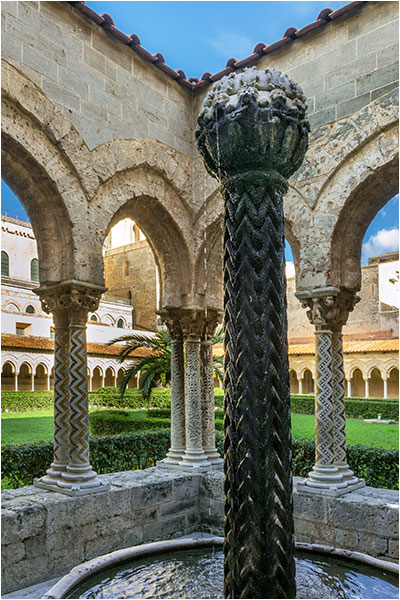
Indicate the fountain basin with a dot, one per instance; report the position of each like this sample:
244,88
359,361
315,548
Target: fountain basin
194,567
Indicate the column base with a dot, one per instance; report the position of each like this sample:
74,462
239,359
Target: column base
74,481
348,475
329,480
74,489
195,460
173,458
214,457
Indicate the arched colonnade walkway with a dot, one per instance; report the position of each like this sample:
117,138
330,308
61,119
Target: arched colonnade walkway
74,190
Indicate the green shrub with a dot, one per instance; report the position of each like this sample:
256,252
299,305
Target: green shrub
357,408
20,464
23,401
111,422
110,397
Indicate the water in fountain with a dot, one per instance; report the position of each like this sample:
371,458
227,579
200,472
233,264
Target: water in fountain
199,574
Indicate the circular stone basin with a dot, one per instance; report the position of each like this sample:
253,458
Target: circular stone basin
197,572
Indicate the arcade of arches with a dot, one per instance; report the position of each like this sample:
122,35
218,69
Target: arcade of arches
78,174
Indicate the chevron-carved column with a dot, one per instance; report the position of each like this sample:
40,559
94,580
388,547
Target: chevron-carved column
211,320
252,135
74,300
328,310
50,304
178,438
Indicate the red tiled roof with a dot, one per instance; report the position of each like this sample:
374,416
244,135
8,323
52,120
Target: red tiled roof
357,346
193,83
41,343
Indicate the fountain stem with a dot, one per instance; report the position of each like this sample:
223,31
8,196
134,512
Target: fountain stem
252,136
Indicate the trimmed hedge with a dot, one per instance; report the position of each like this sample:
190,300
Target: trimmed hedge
357,408
112,422
21,463
160,399
23,401
111,398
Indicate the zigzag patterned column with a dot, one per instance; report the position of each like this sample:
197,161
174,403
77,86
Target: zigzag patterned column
76,300
252,136
207,390
328,311
178,443
50,304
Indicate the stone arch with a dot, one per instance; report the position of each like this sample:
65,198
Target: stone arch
8,376
40,377
107,319
25,376
294,382
308,381
12,307
97,376
109,376
144,196
26,153
47,165
393,382
375,383
357,383
362,185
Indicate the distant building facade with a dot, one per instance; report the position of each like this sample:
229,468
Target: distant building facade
27,331
131,274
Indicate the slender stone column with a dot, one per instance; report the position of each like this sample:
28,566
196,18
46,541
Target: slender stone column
301,385
75,299
50,300
15,381
349,388
328,312
252,136
32,382
385,388
194,457
177,449
207,390
366,387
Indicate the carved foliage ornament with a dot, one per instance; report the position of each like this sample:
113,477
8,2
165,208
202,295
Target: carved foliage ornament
330,312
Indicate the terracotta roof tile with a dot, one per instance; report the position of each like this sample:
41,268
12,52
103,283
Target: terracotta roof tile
41,343
193,83
352,347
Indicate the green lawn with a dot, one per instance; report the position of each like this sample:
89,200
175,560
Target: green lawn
36,426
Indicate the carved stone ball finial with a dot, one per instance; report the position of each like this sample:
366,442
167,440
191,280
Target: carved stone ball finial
253,120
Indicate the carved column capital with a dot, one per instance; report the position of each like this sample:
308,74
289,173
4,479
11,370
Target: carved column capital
76,297
171,318
193,323
328,308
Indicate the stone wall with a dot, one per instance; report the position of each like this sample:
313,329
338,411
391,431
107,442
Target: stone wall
133,268
106,90
365,520
45,534
365,321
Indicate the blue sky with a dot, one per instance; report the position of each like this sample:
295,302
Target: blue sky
200,36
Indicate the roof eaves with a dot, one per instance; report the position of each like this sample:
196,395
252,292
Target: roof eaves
193,83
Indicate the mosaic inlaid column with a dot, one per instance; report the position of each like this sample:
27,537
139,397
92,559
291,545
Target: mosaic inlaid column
207,390
177,449
252,136
75,300
51,304
328,312
194,456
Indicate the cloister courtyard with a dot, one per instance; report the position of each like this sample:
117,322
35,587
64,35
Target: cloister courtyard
158,207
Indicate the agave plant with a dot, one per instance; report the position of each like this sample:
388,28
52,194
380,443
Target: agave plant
155,367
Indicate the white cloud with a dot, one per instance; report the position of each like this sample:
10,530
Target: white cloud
289,269
231,44
385,240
